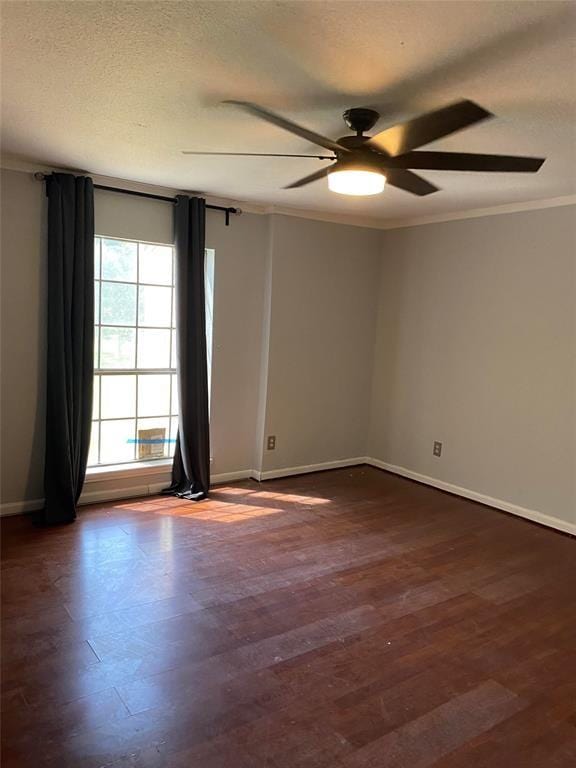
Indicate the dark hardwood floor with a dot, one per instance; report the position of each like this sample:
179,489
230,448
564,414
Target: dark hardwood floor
344,619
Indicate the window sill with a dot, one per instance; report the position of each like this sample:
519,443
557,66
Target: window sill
115,471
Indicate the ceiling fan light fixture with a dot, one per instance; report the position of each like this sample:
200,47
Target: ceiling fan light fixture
357,182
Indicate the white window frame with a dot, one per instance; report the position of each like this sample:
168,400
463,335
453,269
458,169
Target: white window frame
137,465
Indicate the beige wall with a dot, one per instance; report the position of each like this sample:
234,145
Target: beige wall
322,324
476,348
22,327
239,283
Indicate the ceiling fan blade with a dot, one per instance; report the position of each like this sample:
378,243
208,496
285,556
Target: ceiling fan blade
464,161
409,182
312,177
288,125
257,154
403,137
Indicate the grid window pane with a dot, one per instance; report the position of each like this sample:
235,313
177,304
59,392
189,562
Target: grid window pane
118,347
174,410
118,304
93,450
135,389
153,439
117,441
153,348
96,398
154,306
119,260
97,302
173,433
154,395
155,264
118,399
96,258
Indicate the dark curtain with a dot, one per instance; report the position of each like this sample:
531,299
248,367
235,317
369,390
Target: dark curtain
191,467
70,329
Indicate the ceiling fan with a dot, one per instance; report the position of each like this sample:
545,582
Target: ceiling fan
363,164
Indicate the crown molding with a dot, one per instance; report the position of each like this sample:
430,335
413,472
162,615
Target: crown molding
369,222
476,213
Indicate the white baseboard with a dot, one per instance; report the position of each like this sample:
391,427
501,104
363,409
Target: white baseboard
108,494
229,477
10,508
490,501
150,489
307,468
91,496
88,497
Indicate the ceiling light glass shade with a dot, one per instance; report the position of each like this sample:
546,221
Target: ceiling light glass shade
356,182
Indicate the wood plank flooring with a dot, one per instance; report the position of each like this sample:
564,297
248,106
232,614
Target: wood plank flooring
339,620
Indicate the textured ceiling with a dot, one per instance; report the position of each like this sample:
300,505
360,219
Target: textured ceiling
119,88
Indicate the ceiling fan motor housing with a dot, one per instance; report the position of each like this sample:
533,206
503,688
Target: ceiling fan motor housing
361,119
361,160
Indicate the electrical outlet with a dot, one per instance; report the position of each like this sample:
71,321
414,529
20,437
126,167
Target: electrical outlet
437,450
271,442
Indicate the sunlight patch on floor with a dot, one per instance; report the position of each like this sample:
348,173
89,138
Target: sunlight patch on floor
291,497
232,515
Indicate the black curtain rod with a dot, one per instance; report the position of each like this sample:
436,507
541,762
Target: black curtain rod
227,210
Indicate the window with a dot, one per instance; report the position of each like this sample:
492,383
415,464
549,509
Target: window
135,415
